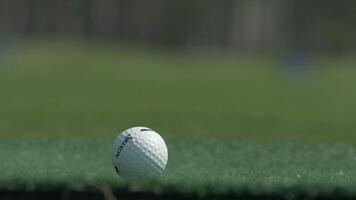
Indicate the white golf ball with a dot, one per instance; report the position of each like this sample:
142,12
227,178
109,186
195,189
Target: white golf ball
139,153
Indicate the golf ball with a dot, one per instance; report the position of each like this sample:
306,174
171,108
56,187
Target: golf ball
139,153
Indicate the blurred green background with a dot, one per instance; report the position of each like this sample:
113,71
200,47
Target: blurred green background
220,69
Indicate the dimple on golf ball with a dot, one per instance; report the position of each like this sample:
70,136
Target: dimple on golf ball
139,153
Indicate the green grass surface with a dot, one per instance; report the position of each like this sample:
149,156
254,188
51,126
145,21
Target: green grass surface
78,89
195,166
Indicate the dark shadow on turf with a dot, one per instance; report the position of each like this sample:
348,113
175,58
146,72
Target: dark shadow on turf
60,194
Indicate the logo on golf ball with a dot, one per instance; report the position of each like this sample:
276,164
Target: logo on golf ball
126,140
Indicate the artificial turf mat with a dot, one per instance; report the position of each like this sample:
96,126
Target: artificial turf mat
195,167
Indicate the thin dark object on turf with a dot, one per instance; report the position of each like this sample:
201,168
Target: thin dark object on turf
107,192
65,195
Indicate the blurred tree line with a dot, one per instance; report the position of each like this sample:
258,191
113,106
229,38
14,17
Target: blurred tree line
245,25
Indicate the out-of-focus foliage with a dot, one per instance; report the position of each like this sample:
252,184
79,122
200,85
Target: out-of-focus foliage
246,25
